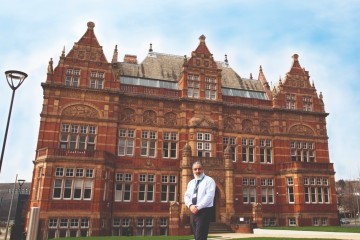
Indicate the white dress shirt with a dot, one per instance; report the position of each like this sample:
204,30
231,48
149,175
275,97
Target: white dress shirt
205,194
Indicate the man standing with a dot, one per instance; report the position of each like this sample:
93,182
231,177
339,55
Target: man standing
199,198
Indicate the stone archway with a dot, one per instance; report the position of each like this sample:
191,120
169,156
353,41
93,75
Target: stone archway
217,207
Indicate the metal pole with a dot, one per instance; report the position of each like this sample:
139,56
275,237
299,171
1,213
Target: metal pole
7,128
12,198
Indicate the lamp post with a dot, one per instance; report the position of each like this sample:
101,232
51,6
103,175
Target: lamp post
21,183
12,198
14,79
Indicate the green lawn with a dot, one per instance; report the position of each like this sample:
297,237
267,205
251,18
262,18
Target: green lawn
349,228
182,238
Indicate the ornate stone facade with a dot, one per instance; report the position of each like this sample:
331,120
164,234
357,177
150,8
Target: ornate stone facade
117,140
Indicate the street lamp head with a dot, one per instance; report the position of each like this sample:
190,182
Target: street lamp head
21,182
15,78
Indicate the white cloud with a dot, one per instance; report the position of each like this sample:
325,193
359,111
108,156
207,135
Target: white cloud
251,33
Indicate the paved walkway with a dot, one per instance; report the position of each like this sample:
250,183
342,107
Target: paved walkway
289,234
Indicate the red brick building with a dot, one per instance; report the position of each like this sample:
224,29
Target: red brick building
117,140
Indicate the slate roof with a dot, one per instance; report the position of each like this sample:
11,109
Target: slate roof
168,67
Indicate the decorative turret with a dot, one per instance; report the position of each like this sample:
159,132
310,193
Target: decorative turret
187,150
264,82
197,70
50,69
227,157
115,55
226,61
150,49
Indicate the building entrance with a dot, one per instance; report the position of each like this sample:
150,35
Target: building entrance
215,217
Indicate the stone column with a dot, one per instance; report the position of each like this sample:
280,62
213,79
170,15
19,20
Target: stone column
229,184
186,174
257,214
174,223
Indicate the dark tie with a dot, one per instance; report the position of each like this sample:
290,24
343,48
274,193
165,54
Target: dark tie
194,199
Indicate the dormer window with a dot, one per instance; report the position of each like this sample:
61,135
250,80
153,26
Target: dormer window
290,101
210,88
97,80
72,77
307,103
193,86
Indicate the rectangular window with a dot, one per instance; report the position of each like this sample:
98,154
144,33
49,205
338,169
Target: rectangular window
168,188
170,145
80,137
326,195
146,188
97,80
210,88
265,151
68,227
193,86
247,150
126,142
302,152
292,222
290,101
307,103
290,190
123,187
307,194
148,143
72,77
203,144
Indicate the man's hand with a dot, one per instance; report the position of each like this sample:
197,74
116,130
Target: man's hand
194,209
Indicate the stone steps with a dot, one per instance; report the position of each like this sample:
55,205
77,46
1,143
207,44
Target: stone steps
219,228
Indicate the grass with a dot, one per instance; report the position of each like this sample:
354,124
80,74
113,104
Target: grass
183,238
349,229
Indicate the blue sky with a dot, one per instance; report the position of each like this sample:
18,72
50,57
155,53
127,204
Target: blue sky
325,34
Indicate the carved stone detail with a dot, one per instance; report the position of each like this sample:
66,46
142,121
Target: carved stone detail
170,119
247,125
229,124
81,111
149,117
148,163
301,130
265,127
128,116
201,122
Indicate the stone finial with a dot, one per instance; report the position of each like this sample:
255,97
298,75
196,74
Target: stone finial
63,52
226,61
187,150
150,49
90,25
227,151
251,77
295,57
260,69
313,84
50,69
280,82
202,38
321,96
185,59
115,55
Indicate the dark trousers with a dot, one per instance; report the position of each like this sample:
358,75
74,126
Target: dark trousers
200,223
